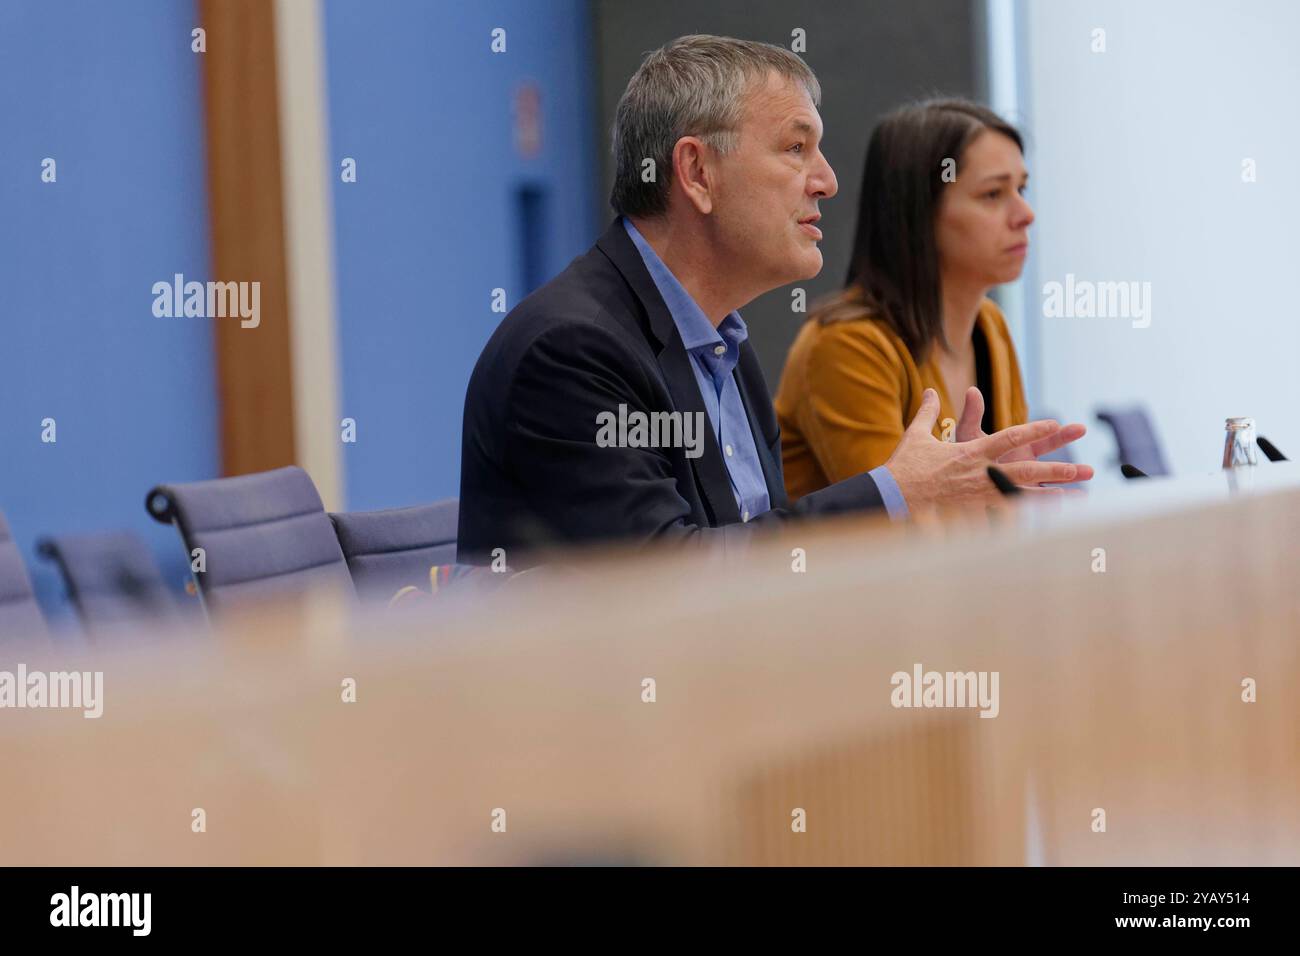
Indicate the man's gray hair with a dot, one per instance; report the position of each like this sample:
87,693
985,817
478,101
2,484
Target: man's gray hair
694,86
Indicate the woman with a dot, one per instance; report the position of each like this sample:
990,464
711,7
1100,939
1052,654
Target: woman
941,220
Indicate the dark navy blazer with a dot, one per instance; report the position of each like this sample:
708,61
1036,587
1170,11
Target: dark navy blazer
595,337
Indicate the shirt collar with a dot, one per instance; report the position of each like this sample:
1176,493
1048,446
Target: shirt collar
697,332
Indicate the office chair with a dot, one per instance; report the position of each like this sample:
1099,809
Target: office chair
261,535
20,615
395,548
1136,439
112,578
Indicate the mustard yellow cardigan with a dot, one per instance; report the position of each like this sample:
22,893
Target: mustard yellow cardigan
850,387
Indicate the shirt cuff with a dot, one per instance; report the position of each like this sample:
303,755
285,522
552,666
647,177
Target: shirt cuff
894,501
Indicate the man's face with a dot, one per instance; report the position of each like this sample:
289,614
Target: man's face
768,187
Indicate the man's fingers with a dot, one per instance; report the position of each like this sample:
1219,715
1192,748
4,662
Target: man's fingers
1017,436
968,429
927,414
1043,472
1067,434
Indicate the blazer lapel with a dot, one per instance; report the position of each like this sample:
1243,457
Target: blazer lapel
675,363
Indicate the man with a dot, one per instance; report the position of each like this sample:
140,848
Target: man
717,185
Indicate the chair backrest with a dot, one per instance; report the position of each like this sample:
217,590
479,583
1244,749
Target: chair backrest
20,615
112,578
262,535
391,549
1136,438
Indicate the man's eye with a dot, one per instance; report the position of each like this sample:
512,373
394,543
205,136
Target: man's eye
993,194
797,147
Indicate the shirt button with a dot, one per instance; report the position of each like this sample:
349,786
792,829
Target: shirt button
730,451
745,516
720,350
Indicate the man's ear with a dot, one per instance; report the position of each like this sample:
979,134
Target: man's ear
693,171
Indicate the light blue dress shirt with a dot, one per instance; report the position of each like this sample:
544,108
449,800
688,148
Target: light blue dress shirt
714,353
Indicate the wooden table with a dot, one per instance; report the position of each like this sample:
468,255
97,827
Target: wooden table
1119,691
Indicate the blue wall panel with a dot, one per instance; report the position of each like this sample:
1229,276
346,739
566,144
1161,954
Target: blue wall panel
441,210
112,93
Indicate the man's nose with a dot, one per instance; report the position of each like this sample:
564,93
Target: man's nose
822,183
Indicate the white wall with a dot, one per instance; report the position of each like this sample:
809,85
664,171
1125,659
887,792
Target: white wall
1135,163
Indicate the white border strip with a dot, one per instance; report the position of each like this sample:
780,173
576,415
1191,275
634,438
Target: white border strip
1004,57
309,241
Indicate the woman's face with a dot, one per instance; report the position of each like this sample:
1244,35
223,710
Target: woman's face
982,228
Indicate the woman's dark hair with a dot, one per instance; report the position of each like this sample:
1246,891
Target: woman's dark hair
895,264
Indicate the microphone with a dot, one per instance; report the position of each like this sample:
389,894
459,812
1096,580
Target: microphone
1130,472
1269,449
1004,484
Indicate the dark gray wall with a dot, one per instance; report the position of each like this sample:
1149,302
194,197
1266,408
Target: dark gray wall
870,56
